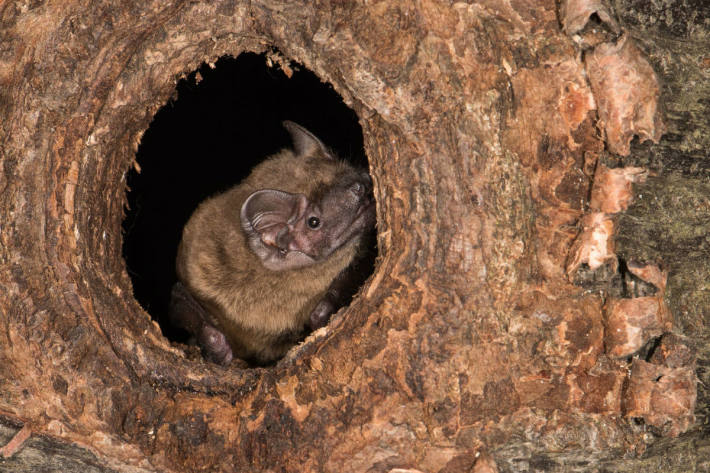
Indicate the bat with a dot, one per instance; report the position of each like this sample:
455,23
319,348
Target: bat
274,256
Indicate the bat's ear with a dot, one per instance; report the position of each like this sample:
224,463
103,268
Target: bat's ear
268,218
306,143
269,213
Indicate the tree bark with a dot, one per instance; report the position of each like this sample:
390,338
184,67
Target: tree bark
484,339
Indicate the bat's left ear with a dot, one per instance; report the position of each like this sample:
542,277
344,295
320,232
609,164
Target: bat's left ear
306,143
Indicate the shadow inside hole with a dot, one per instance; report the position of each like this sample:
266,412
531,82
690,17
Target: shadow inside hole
224,121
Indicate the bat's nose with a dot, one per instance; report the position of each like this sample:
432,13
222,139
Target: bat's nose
363,185
367,179
358,189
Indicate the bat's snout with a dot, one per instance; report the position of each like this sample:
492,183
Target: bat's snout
362,187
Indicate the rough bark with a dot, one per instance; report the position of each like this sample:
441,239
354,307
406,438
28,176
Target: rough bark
468,342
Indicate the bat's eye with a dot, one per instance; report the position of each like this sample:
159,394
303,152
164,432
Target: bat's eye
314,222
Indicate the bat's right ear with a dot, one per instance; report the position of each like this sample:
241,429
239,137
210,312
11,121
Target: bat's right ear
306,143
267,217
267,214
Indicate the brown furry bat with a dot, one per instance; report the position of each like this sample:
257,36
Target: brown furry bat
272,255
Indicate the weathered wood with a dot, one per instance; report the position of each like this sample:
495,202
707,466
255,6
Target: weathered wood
467,342
41,453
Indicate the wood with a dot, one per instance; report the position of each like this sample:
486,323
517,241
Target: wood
469,349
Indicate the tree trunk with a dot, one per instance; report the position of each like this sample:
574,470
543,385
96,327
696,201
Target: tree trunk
496,332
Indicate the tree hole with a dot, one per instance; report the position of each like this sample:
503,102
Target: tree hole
221,122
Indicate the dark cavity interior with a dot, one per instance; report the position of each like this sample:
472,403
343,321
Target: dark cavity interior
220,123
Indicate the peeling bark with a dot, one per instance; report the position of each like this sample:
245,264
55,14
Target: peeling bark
627,92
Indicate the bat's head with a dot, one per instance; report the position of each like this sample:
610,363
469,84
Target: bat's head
288,230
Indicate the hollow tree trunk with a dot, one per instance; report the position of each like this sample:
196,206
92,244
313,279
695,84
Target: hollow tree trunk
484,339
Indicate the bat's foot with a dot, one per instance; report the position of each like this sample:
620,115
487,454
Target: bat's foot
321,314
215,345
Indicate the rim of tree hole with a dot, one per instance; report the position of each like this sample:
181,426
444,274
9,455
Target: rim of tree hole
133,96
335,122
223,120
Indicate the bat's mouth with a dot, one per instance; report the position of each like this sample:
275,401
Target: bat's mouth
363,219
366,207
364,213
